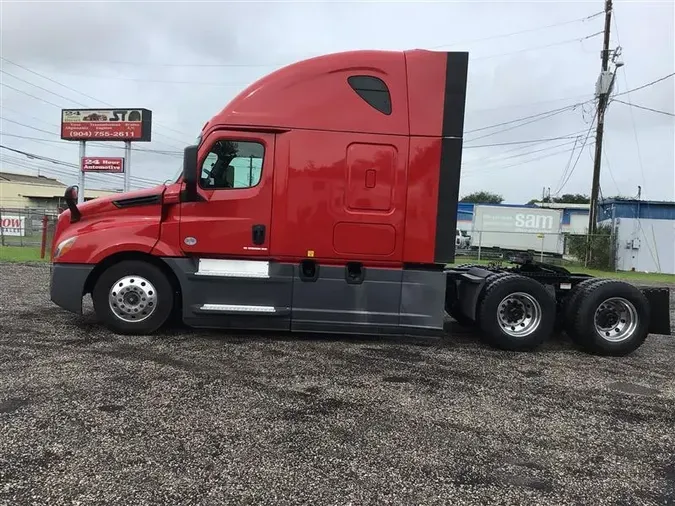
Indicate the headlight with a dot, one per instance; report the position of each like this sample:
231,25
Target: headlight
64,246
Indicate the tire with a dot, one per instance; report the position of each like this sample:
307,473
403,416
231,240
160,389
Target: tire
514,297
603,303
146,298
570,307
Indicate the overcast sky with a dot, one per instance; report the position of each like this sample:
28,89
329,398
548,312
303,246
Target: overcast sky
186,61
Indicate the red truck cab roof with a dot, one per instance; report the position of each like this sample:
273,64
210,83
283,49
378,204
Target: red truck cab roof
311,94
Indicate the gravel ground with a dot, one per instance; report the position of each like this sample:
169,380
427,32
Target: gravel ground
190,417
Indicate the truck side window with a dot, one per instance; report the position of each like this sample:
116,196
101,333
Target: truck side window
232,164
373,90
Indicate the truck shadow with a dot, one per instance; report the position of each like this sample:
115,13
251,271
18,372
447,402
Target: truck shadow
454,336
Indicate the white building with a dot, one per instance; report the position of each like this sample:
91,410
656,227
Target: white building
645,234
575,216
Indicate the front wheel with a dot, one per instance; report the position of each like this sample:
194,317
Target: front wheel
133,297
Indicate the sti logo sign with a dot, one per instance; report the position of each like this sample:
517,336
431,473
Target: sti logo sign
106,124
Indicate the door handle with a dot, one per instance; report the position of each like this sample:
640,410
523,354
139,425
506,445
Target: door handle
258,232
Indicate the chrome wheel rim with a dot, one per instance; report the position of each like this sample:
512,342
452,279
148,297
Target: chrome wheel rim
519,314
616,319
132,299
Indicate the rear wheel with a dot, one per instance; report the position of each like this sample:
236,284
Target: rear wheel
133,297
612,318
516,313
570,307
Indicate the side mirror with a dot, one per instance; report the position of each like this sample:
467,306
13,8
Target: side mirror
190,173
71,193
71,201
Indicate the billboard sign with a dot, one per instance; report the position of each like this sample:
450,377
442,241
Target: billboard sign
13,225
106,125
113,164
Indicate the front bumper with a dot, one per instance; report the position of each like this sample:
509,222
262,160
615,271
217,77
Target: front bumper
66,285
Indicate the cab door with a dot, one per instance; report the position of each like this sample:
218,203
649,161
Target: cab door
227,278
236,181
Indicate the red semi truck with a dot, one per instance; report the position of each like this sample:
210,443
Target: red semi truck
323,198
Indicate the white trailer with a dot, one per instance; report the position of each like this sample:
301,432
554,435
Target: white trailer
518,229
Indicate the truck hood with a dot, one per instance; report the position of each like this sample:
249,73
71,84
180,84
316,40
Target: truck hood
112,223
121,200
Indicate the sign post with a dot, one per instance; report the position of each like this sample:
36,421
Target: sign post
127,171
80,179
126,125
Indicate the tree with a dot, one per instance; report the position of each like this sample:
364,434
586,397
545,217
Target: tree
566,198
483,197
619,197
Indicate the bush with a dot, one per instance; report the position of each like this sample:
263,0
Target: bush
596,251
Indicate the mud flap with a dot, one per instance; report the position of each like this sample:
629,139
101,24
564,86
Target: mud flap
659,306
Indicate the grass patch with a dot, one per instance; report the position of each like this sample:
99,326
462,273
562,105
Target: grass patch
22,254
580,269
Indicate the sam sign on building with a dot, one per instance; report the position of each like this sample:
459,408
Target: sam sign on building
114,165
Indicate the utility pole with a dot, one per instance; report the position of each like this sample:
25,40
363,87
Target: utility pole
603,89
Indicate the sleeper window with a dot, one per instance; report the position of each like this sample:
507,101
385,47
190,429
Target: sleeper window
373,90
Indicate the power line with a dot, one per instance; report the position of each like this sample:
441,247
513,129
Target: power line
27,126
643,107
66,164
530,141
519,164
32,157
540,117
29,95
609,169
43,89
49,171
87,96
536,102
97,144
652,83
158,81
569,162
91,177
61,107
497,158
581,150
560,109
166,64
528,30
632,116
527,49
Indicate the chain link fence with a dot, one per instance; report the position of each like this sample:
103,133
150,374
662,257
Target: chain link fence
28,227
596,251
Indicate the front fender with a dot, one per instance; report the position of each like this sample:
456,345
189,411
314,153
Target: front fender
99,240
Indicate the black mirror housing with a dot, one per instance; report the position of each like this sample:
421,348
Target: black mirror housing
70,195
190,173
